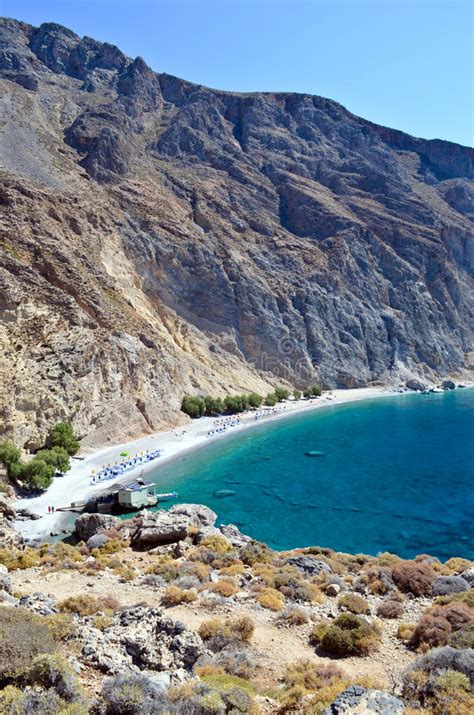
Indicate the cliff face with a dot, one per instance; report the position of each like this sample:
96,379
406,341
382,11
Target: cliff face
158,237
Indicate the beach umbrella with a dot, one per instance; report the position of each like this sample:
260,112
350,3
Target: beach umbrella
124,454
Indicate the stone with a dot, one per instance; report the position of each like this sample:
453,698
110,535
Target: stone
234,536
88,525
448,385
141,638
167,527
415,385
5,583
6,510
97,541
356,700
3,569
333,589
309,564
39,603
468,575
444,585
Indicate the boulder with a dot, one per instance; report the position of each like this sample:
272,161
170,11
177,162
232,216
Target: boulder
468,575
415,385
333,589
88,525
234,536
39,603
444,585
6,511
10,538
356,699
448,385
309,564
141,638
97,541
168,527
5,583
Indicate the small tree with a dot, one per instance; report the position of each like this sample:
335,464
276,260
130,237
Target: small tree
316,390
307,392
271,399
10,457
213,406
193,406
255,400
57,457
297,394
62,435
37,474
233,404
281,394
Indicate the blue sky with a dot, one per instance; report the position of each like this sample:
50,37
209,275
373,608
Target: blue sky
403,63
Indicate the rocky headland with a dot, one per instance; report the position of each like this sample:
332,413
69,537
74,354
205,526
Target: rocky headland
160,238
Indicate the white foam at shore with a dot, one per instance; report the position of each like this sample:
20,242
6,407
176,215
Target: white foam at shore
75,485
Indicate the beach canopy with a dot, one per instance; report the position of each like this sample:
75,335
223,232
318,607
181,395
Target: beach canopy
124,454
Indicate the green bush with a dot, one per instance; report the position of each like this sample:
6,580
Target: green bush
297,394
312,391
57,457
233,404
62,435
347,635
271,399
52,671
213,406
9,456
36,474
281,394
255,400
22,637
132,694
354,603
193,406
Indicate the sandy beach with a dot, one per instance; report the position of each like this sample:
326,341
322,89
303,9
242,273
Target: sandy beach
76,486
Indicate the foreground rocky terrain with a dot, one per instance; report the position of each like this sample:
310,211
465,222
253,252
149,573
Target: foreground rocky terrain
160,238
167,613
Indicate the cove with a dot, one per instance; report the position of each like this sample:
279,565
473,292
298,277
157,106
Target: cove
392,474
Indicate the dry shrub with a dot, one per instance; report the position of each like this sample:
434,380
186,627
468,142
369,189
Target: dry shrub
102,622
14,559
224,588
60,625
271,599
431,631
456,565
405,632
294,616
88,605
174,596
23,636
207,670
347,635
354,604
165,567
243,627
390,609
217,544
194,568
414,577
459,615
233,570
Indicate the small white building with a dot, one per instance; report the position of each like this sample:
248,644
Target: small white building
137,495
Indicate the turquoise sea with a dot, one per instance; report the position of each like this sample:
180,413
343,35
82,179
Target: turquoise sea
396,475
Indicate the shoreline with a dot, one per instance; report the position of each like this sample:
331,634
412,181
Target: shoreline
75,485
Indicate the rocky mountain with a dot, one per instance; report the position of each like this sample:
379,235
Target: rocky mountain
159,237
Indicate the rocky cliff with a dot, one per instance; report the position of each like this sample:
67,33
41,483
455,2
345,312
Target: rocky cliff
158,237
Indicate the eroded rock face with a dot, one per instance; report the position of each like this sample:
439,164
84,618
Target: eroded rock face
309,564
165,238
141,638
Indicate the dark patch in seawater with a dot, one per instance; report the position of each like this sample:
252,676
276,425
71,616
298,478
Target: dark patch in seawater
223,493
314,453
266,458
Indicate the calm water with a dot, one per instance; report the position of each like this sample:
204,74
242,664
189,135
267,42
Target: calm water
396,475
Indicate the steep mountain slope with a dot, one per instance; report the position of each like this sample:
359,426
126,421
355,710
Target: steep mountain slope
159,237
